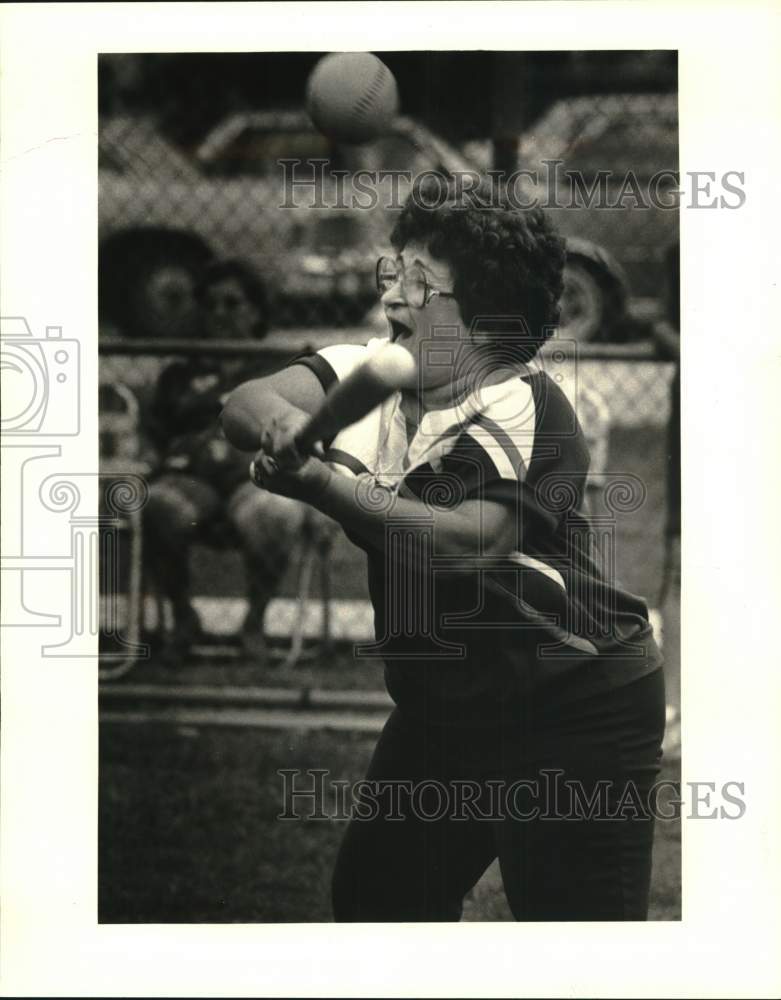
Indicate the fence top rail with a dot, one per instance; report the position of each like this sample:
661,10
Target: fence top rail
286,347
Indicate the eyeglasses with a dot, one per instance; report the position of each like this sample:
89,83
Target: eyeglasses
414,286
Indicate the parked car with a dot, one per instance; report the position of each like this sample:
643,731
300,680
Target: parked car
595,300
162,210
165,211
622,134
614,282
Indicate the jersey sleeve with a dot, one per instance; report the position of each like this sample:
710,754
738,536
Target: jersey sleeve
317,364
334,363
353,450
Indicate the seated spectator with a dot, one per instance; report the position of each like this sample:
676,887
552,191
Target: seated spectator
202,483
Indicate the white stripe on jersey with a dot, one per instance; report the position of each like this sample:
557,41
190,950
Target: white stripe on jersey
495,452
512,408
541,567
509,405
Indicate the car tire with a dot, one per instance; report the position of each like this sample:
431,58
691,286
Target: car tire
594,300
148,280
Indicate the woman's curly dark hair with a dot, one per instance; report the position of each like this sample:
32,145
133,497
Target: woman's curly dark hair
507,261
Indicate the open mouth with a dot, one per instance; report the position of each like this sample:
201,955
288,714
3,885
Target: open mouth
398,330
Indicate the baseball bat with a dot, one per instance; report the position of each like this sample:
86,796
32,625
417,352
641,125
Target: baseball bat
391,368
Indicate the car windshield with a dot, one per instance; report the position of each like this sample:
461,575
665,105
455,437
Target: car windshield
257,153
397,152
624,132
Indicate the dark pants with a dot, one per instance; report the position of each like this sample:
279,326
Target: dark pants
418,858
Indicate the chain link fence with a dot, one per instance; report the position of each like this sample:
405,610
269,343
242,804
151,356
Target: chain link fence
168,206
622,397
604,166
171,201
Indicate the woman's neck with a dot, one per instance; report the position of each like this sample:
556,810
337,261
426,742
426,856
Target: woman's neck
442,397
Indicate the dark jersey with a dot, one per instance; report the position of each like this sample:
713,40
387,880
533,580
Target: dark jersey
464,638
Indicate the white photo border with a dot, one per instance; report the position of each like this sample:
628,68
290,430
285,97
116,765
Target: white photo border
726,942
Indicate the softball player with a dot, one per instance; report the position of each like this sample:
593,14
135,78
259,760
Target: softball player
516,662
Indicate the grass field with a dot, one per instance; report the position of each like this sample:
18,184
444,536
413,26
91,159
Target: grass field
189,834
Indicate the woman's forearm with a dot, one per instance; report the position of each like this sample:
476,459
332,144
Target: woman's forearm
248,411
365,509
258,418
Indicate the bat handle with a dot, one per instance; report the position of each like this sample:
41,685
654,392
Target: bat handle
306,439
